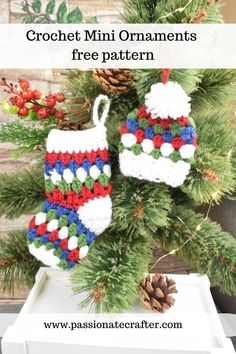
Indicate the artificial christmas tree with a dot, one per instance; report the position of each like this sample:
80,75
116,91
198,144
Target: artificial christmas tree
144,213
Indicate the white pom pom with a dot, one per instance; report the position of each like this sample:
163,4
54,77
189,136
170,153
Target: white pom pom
168,100
68,175
187,151
128,140
147,145
83,252
52,225
73,243
40,218
63,233
166,149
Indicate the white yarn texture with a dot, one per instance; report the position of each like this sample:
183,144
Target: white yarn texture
146,167
167,100
77,141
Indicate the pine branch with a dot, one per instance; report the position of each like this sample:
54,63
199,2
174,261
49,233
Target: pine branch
201,187
21,192
215,91
171,11
111,273
213,173
139,204
212,251
25,137
17,266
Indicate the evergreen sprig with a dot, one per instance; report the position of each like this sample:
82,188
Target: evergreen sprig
212,251
215,90
110,276
139,204
203,189
17,266
21,192
25,137
171,11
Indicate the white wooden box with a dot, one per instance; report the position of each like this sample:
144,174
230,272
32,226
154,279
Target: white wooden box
51,299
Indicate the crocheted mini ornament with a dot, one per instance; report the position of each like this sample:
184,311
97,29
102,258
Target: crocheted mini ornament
78,206
158,140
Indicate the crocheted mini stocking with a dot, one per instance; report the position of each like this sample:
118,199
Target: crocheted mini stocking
78,205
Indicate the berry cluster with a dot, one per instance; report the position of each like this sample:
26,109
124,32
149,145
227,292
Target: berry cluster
27,100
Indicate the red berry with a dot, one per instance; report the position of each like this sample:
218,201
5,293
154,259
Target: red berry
60,114
23,111
60,97
52,111
42,113
13,100
19,101
37,94
27,95
24,84
35,107
50,101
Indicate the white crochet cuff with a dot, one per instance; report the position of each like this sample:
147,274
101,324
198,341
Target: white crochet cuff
146,167
77,141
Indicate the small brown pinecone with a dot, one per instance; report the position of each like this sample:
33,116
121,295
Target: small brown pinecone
67,125
114,80
156,290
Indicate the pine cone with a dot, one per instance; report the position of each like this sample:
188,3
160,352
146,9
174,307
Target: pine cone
114,80
156,292
67,125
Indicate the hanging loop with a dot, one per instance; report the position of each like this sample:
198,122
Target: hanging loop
97,102
165,75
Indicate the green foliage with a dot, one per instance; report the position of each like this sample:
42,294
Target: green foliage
212,251
113,270
36,5
21,192
50,7
139,204
216,139
171,11
33,13
17,266
62,13
75,16
25,137
204,190
215,90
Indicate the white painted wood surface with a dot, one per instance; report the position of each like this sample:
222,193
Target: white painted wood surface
52,294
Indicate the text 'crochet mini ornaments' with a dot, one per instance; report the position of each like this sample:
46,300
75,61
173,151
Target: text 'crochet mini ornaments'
78,205
158,140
